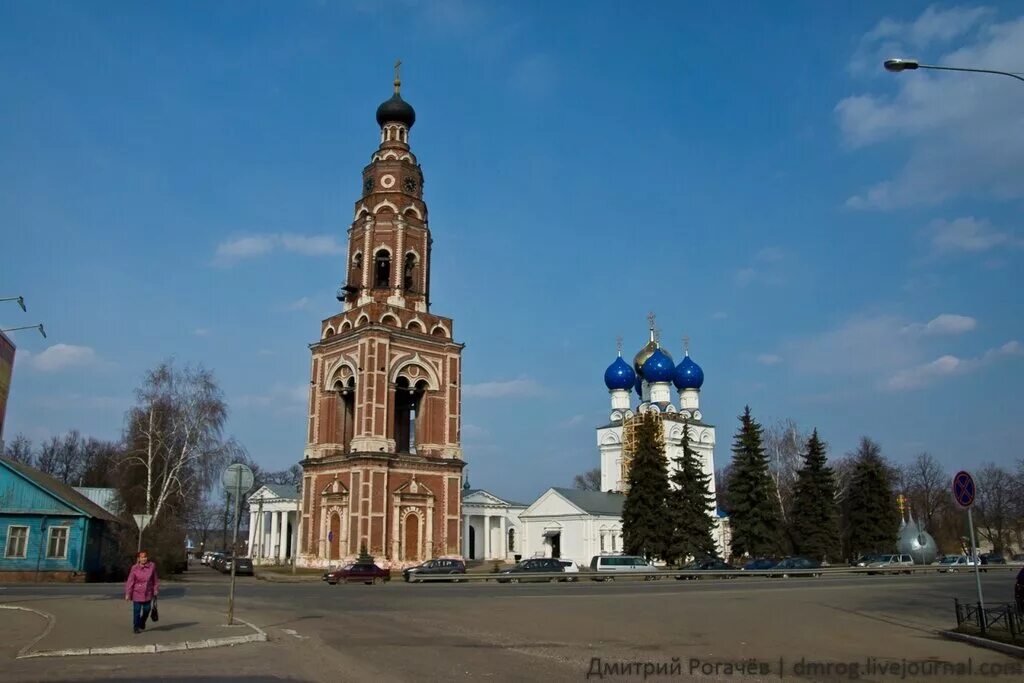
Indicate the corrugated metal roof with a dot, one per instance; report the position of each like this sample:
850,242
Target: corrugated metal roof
59,489
105,498
594,502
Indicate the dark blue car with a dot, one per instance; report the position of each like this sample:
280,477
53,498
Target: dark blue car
760,564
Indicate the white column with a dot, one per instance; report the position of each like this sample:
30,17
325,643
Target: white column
264,534
487,537
252,531
465,536
503,541
275,534
282,532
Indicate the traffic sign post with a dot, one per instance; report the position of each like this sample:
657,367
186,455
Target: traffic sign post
237,479
141,521
964,491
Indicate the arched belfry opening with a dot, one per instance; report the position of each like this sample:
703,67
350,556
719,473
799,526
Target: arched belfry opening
345,423
409,272
408,413
382,269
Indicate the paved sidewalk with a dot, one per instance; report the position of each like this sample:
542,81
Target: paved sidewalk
94,625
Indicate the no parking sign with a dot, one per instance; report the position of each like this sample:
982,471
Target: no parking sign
964,489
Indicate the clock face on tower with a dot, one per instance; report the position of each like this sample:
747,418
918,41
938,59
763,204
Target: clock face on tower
409,184
368,185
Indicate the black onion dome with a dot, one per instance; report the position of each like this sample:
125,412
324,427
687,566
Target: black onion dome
396,110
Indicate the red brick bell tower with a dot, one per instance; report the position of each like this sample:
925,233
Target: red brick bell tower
383,463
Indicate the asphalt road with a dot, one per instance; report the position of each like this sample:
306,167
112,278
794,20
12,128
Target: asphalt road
404,632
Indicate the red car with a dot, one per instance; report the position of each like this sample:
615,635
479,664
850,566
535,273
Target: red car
367,573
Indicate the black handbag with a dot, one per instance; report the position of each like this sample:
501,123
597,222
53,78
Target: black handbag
154,613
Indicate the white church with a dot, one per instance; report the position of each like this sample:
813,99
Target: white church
576,525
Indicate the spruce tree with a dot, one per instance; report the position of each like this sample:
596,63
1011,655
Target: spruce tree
644,519
689,504
872,523
815,521
754,511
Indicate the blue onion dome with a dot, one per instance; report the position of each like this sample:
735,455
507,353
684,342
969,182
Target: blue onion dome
659,367
688,374
619,375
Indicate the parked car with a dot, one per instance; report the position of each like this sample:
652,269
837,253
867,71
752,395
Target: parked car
1018,591
218,560
956,563
620,564
865,560
796,563
991,558
703,565
520,572
243,565
896,563
357,572
441,565
1019,557
570,567
760,564
210,557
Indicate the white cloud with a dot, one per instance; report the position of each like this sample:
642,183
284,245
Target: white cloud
770,254
513,387
62,357
201,332
950,323
959,128
946,366
719,315
744,276
281,399
768,359
968,234
861,345
240,248
472,432
300,304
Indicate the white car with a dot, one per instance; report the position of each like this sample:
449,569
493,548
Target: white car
956,563
570,567
620,564
891,562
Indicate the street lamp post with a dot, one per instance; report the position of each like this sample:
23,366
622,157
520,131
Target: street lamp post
19,299
897,65
27,327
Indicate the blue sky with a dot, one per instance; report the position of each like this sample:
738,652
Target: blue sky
843,245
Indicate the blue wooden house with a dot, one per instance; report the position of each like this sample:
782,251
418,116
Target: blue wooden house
49,531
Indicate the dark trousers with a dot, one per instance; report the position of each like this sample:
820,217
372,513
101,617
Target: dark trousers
140,612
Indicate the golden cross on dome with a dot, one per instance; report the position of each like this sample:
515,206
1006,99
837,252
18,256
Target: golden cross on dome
686,345
398,77
657,337
650,320
618,344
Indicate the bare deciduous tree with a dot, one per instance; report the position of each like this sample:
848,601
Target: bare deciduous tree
783,442
926,484
588,481
20,449
994,505
176,434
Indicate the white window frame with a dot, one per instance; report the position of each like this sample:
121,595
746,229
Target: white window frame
7,545
49,541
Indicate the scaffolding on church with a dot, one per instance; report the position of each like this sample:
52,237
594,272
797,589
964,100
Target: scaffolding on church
630,427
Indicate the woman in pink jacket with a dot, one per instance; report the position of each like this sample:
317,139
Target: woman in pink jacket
141,587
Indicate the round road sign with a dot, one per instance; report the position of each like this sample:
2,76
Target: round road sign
237,477
963,489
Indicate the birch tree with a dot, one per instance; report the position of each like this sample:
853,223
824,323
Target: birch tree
175,436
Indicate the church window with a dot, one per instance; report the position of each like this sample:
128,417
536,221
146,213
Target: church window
511,540
408,411
382,275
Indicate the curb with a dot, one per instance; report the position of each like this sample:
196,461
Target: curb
276,578
1005,648
260,636
51,621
